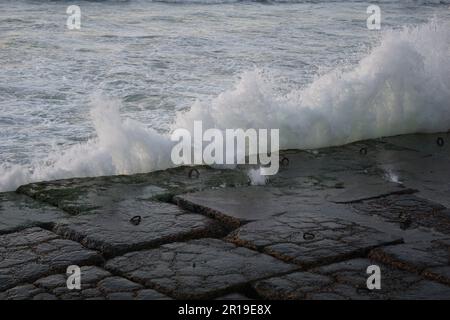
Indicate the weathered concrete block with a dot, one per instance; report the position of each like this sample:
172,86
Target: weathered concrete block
347,280
429,259
83,195
309,239
235,206
34,252
409,211
18,212
205,268
111,231
423,143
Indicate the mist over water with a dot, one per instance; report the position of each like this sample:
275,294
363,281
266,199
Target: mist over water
322,79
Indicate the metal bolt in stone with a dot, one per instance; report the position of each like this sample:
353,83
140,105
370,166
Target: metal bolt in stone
440,142
363,151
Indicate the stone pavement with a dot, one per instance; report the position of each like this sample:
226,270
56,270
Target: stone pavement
309,233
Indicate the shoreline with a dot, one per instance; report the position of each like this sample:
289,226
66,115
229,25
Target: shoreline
309,233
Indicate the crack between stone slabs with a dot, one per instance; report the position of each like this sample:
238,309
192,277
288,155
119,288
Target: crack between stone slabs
46,202
43,225
214,232
400,192
426,273
220,231
357,253
230,222
243,287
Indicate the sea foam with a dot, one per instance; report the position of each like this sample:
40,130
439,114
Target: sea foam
402,86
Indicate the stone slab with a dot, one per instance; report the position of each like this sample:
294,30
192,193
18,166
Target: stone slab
429,176
197,269
429,259
328,166
347,280
19,212
110,230
235,206
408,211
96,284
424,143
33,253
309,240
362,187
81,195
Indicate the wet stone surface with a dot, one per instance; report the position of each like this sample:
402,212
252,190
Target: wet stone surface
33,253
19,212
428,173
424,143
309,240
96,284
206,268
347,280
235,206
87,194
409,211
309,233
428,259
113,230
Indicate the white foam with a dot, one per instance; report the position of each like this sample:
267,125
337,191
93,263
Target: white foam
256,178
121,147
402,86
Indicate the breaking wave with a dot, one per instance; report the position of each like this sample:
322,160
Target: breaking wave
402,86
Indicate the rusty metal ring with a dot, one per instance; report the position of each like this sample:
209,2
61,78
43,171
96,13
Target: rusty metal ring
136,220
440,142
197,173
284,161
308,236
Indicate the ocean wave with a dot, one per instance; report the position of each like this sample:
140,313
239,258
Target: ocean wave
402,86
293,1
272,1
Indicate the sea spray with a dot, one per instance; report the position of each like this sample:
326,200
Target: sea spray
402,86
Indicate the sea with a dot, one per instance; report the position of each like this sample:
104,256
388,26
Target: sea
103,99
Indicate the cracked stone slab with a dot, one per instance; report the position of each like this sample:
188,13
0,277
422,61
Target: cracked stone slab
33,253
310,239
110,231
96,284
19,212
425,143
369,188
326,167
429,259
429,176
348,280
235,206
409,211
81,195
430,173
197,269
